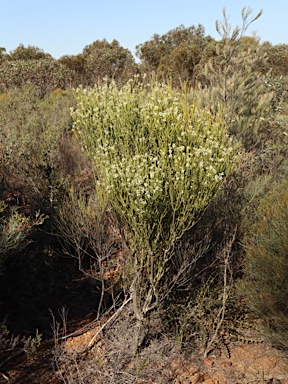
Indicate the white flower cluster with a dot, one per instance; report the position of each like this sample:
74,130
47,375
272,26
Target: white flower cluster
138,178
154,147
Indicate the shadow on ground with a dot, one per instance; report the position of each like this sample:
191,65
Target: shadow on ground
33,285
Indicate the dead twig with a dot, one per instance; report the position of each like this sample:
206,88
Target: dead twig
113,317
221,313
5,376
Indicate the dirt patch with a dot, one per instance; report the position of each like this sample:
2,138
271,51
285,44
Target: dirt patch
246,363
249,363
28,296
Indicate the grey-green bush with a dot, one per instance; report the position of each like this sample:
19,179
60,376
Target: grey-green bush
266,266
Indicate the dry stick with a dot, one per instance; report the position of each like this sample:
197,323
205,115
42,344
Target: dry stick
221,312
91,343
133,376
86,327
5,377
225,296
100,264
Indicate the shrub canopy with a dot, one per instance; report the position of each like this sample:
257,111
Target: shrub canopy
159,156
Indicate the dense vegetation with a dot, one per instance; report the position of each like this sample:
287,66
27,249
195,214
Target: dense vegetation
165,180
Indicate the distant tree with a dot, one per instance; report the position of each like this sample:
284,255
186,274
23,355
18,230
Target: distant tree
104,59
76,64
31,65
249,41
277,58
28,53
174,54
3,54
46,74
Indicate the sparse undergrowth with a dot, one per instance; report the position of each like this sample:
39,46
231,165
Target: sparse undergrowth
266,266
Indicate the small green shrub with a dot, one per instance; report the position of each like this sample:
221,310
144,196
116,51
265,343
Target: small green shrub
11,345
266,266
8,342
33,133
14,231
31,344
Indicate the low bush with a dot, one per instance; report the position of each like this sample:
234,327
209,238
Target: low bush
34,136
15,230
88,231
266,266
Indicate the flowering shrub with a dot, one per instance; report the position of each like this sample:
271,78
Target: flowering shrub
155,150
161,159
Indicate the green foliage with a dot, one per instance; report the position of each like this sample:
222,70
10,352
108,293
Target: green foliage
15,344
76,64
160,158
14,231
174,54
31,344
103,59
276,62
3,55
233,84
266,266
156,150
100,60
45,73
236,79
28,53
33,136
8,342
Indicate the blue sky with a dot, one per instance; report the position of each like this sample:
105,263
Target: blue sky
63,27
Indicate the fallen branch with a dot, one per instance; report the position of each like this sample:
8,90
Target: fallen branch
5,377
113,317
